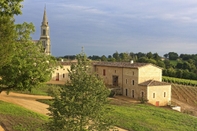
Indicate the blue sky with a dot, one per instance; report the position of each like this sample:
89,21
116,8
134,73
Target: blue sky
103,27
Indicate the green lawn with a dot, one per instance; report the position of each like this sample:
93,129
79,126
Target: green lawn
174,62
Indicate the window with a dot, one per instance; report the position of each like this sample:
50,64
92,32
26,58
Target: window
126,91
104,72
164,94
63,76
132,94
126,81
133,82
44,45
153,95
44,32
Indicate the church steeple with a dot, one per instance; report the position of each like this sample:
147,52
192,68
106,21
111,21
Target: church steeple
45,21
44,37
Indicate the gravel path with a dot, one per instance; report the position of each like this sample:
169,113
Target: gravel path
27,101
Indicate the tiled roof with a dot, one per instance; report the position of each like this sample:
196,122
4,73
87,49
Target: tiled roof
121,64
153,83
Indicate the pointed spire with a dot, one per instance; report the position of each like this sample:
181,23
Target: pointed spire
45,21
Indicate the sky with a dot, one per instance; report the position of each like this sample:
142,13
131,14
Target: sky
103,27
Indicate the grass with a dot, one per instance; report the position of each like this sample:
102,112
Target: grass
45,90
14,117
133,117
173,62
141,117
144,117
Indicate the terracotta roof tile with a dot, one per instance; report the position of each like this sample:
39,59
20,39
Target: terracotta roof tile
153,83
121,64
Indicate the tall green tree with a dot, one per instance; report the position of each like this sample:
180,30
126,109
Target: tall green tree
82,103
7,39
173,56
8,8
29,67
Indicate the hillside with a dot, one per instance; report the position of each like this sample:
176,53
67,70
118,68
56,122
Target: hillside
185,96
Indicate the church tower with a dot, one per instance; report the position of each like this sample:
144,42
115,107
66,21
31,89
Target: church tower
44,37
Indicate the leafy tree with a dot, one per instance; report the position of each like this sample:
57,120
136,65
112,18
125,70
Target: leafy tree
116,56
8,8
161,64
143,60
103,58
82,104
156,57
167,64
94,57
29,66
166,56
140,54
7,38
149,55
173,56
125,57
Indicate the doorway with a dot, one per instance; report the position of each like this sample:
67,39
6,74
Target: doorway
157,103
115,80
57,76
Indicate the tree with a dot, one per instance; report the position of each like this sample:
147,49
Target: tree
29,66
103,58
82,104
149,55
173,56
7,37
116,56
8,8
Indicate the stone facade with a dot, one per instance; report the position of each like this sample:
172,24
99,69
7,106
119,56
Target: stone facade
136,80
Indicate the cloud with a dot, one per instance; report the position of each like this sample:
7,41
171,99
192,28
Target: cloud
104,27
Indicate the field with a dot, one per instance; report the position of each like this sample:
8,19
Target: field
142,117
16,118
185,94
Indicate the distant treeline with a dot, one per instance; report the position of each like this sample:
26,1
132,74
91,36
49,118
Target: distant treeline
174,65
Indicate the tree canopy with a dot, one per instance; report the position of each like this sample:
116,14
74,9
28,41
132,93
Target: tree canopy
23,63
82,103
29,67
8,8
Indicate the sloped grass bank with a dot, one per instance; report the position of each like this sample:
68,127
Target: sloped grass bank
14,117
141,117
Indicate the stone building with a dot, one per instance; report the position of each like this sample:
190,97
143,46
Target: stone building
136,80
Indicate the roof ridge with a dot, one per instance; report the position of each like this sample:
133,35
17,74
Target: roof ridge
151,81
